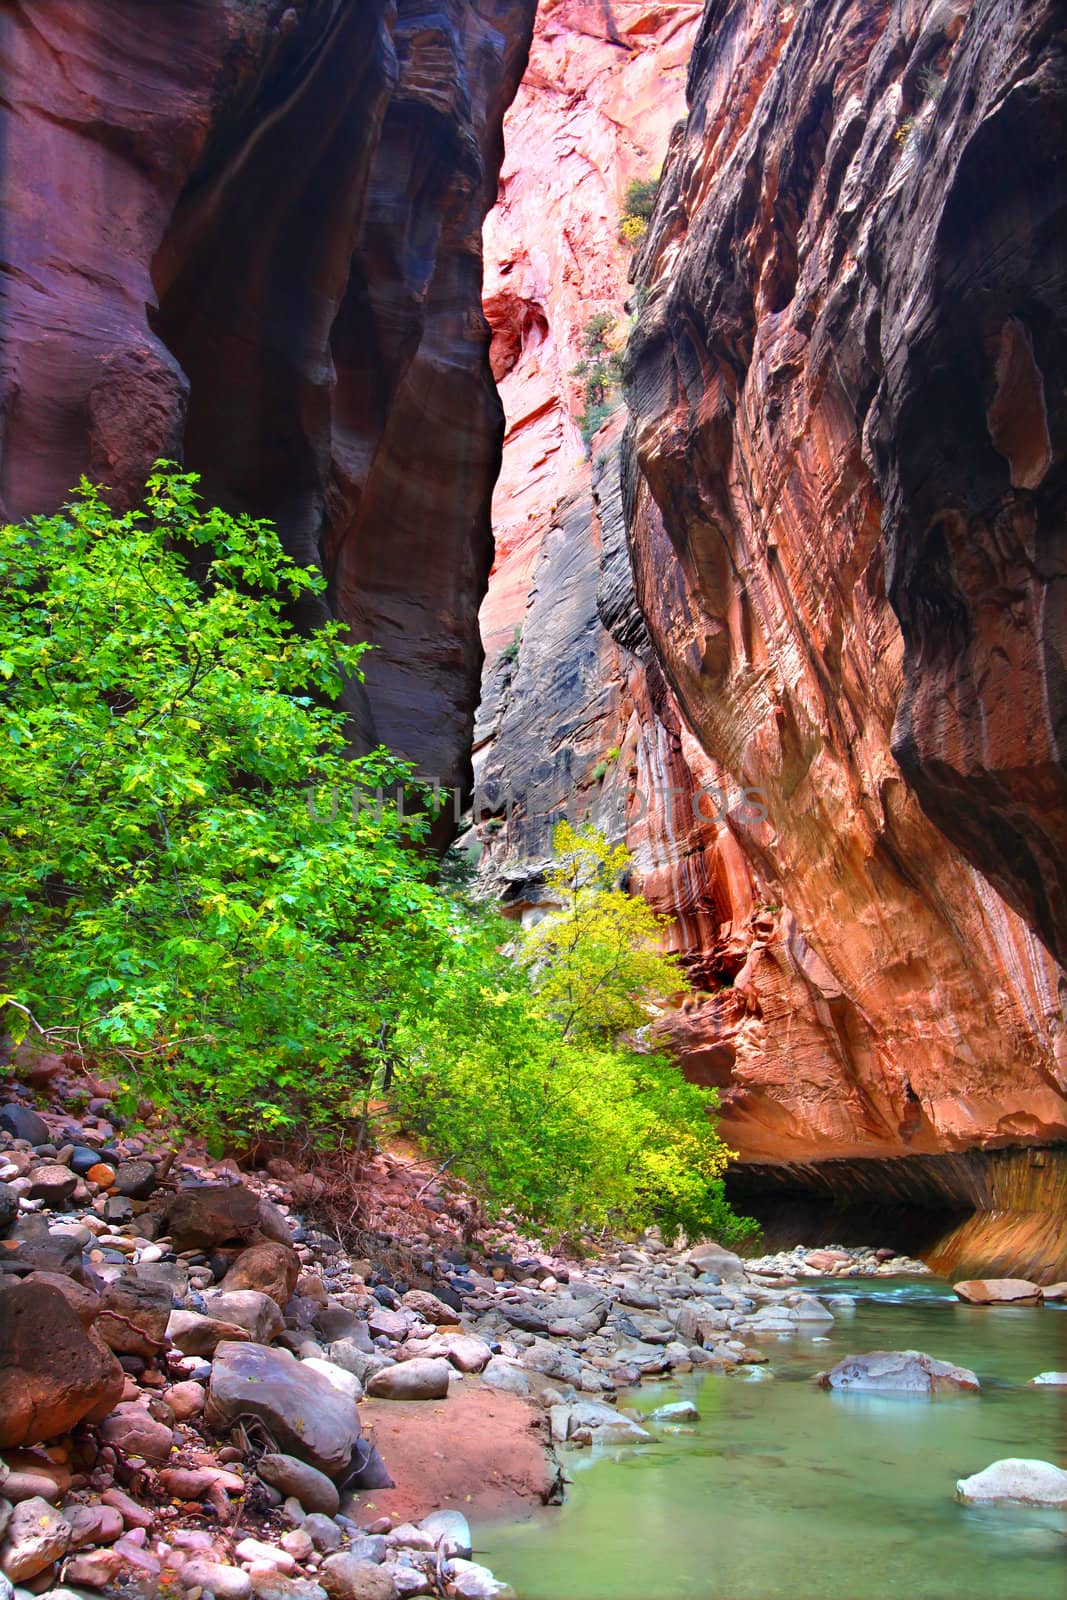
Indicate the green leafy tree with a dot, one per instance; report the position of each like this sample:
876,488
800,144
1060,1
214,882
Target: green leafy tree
167,899
596,963
520,1070
187,892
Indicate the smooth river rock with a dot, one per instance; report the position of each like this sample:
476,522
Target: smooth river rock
1015,1481
36,1535
898,1372
998,1291
348,1577
312,1488
450,1531
421,1379
306,1415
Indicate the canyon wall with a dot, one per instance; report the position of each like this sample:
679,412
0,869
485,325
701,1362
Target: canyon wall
828,715
604,87
247,236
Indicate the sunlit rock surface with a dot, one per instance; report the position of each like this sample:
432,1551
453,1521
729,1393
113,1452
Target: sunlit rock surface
812,382
818,223
604,87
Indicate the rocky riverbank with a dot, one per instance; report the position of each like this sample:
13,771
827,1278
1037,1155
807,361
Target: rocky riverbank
203,1392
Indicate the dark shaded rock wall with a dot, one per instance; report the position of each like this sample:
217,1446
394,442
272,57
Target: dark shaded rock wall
978,1213
247,236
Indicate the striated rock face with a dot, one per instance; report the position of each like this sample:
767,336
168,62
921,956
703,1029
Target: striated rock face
812,381
604,86
846,525
248,235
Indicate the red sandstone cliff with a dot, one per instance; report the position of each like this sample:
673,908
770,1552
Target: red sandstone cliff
844,496
247,235
603,89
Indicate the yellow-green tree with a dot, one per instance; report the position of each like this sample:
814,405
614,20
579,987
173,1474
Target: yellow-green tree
523,1067
596,963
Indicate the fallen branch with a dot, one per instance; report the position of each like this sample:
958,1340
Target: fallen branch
434,1176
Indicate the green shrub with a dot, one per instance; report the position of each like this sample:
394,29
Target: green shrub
601,371
166,900
640,198
510,651
637,208
522,1069
173,906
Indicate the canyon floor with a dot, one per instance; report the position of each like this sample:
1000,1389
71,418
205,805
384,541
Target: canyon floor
204,1391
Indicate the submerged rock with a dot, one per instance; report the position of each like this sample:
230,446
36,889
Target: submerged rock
898,1372
998,1291
677,1411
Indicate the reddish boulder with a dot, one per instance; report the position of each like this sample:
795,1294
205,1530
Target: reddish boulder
84,1302
134,1315
132,1429
53,1183
198,1218
998,1292
269,1268
53,1374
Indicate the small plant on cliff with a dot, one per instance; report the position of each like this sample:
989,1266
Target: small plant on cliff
600,369
525,1067
601,768
510,651
637,209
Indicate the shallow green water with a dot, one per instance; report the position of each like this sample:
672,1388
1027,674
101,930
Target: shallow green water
783,1491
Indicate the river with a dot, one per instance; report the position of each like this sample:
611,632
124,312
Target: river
783,1491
